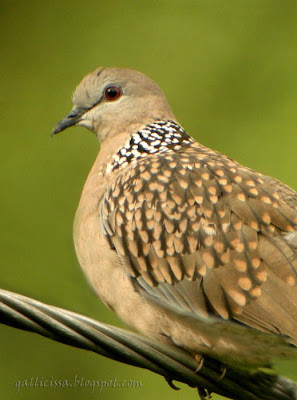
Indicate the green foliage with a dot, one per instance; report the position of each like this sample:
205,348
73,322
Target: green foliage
228,69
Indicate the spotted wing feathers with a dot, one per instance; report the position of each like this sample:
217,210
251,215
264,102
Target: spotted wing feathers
198,230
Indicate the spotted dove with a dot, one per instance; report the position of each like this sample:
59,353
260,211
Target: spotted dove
182,242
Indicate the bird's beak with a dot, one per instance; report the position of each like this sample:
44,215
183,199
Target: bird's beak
70,120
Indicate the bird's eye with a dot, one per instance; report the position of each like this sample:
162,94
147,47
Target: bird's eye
112,93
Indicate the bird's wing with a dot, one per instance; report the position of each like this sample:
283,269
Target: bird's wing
203,234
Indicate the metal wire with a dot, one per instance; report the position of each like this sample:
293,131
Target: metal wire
127,347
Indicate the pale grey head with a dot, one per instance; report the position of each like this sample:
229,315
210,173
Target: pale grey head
111,100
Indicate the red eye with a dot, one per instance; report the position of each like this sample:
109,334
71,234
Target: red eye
112,93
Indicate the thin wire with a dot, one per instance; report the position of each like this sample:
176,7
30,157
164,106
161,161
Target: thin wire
130,348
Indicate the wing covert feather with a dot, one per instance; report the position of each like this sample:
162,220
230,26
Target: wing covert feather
202,232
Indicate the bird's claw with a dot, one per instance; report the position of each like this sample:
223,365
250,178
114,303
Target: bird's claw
171,384
200,360
204,394
224,370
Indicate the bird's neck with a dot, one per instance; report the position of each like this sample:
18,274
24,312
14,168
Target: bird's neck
157,137
128,147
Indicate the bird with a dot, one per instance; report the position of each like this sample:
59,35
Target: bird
183,243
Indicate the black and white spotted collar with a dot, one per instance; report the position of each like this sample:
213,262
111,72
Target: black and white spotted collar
159,137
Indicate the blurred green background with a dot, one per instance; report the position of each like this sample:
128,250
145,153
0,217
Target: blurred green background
229,70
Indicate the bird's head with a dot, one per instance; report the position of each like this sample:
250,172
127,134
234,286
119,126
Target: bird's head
110,100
